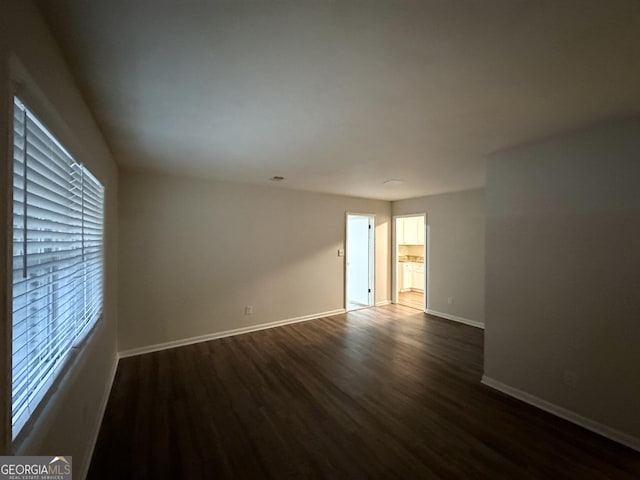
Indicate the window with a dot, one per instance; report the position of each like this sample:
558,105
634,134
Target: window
57,260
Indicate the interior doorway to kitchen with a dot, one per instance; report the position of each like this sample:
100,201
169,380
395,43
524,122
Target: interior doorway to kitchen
410,262
359,260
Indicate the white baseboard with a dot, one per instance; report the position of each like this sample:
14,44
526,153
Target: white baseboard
383,303
599,428
98,423
466,321
227,333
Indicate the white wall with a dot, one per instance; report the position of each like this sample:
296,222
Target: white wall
70,420
455,251
194,253
563,273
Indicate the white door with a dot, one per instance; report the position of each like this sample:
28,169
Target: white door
359,258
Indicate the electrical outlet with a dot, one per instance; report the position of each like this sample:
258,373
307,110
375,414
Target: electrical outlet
341,253
248,310
450,300
570,379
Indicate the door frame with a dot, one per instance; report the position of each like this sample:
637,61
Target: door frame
394,257
372,259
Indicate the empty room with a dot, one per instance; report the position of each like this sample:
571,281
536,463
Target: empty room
320,239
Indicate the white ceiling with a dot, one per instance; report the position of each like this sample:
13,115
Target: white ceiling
339,96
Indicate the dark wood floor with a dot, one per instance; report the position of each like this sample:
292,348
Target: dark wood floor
381,393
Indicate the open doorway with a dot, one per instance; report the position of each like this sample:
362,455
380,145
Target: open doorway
411,261
359,259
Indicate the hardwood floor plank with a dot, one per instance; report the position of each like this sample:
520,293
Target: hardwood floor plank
412,299
386,392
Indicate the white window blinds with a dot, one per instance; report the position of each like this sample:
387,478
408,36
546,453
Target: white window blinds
57,259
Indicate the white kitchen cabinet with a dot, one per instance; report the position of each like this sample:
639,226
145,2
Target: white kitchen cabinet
411,276
407,279
412,231
417,276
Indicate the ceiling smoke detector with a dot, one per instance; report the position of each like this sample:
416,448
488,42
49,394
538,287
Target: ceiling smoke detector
276,178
